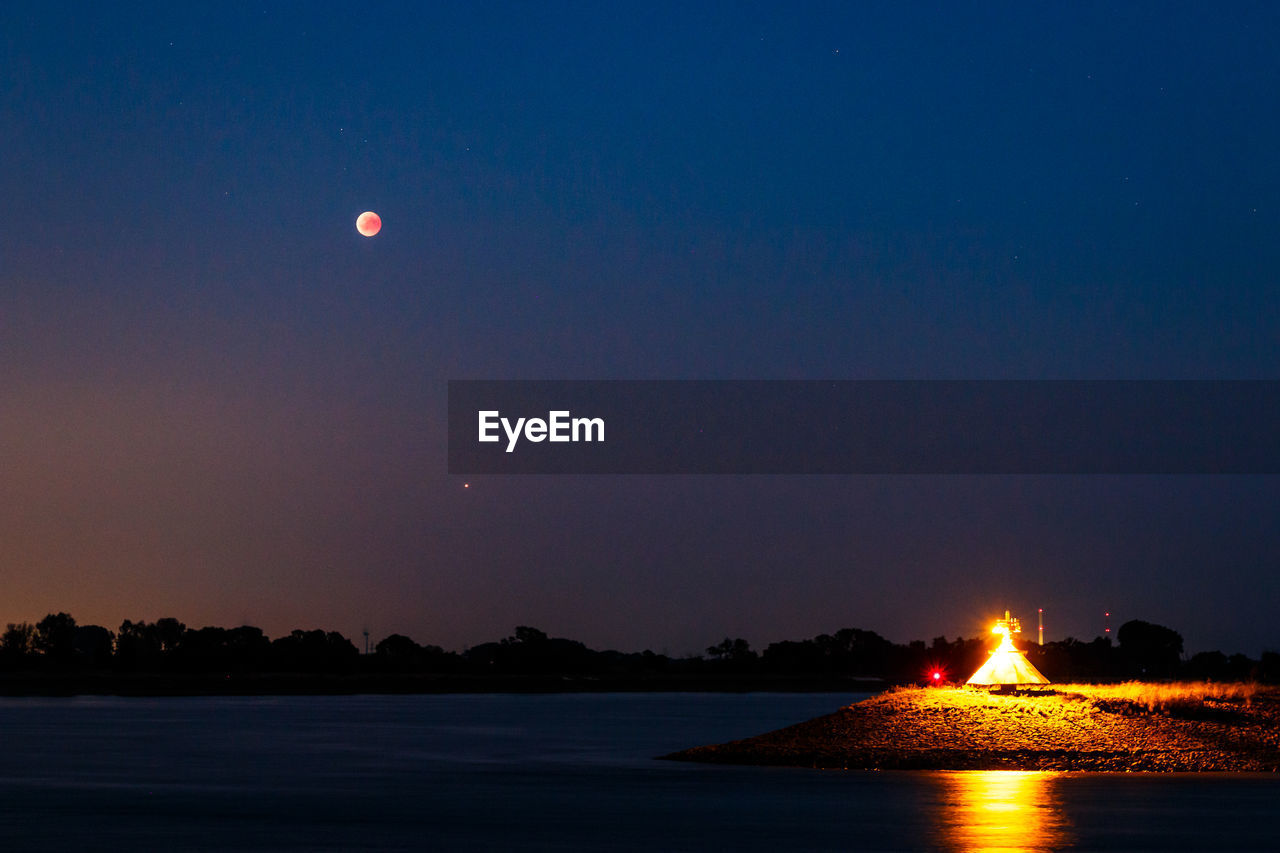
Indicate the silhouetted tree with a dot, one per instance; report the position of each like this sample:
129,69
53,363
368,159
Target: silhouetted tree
732,651
93,645
532,651
1207,666
398,652
137,645
55,638
1241,668
202,649
1145,650
525,634
169,632
1150,650
1269,667
792,656
247,648
858,652
149,645
1074,660
17,644
314,651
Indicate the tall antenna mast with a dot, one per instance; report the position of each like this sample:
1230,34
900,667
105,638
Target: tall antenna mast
1042,626
1107,624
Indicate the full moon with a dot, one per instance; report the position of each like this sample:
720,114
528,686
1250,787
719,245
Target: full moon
368,223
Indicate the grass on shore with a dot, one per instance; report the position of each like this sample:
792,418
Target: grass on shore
1164,697
1157,698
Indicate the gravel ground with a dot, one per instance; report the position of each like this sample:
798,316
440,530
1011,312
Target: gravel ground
954,728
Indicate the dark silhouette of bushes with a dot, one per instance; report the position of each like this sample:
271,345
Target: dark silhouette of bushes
55,638
1150,651
17,644
737,652
314,651
58,644
532,651
398,653
1074,660
93,645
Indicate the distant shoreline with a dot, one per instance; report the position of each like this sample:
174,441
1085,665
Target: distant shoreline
327,684
1122,728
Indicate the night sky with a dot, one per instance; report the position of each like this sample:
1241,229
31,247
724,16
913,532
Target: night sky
219,402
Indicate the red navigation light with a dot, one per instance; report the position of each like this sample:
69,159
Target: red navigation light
934,672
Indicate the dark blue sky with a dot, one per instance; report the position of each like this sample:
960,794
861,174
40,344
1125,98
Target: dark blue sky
221,403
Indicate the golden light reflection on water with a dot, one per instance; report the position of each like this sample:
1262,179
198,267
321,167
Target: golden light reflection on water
1002,810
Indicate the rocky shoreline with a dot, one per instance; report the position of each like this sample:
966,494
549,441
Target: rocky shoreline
1071,728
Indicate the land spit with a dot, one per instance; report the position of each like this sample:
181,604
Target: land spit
1132,727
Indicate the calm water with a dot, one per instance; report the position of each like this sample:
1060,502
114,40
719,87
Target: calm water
568,772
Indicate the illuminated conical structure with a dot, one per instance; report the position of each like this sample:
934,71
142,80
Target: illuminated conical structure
1007,665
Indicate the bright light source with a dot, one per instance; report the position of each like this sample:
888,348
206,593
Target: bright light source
1007,665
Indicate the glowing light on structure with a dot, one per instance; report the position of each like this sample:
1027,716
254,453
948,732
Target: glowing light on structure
1007,666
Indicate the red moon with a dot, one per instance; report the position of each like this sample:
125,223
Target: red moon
368,223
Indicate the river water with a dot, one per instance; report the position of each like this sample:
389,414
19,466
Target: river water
545,772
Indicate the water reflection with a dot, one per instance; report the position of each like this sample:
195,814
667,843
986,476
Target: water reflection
1002,810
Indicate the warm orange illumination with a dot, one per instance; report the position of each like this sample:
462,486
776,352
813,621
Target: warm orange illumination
1005,628
1002,810
1007,665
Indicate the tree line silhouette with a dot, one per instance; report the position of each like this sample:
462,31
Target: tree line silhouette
57,644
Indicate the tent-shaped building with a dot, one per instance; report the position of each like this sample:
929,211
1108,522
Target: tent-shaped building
1007,667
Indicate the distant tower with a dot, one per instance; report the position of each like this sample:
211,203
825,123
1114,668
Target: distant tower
1042,626
366,641
1107,624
